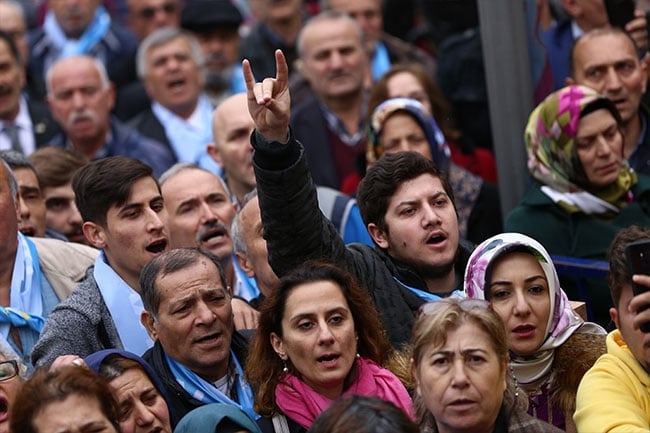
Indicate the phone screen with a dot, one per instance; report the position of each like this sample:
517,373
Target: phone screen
620,12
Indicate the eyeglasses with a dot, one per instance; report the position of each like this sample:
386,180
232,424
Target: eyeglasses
148,13
465,304
8,370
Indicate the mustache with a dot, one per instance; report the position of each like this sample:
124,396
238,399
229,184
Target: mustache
207,227
85,114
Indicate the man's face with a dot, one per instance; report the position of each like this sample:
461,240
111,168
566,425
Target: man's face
79,101
61,212
334,61
12,80
276,10
173,77
73,16
609,65
194,323
589,14
256,260
637,341
422,227
13,23
135,231
220,47
145,16
232,127
367,13
9,216
200,212
32,209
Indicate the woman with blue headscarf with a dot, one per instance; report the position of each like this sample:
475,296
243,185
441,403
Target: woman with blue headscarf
139,392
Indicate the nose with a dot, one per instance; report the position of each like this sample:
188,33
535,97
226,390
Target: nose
336,60
206,213
430,216
78,100
142,414
155,222
204,313
325,335
522,308
603,148
24,210
459,379
612,81
74,217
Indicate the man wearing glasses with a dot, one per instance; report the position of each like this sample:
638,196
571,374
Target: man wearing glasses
145,16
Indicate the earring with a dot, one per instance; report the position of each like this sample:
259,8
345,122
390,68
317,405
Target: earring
285,369
358,356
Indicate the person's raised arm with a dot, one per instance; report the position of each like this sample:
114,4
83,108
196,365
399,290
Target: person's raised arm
269,102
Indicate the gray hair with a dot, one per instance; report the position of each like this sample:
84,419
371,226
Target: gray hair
13,184
161,37
10,355
182,166
167,263
236,232
16,159
326,15
99,66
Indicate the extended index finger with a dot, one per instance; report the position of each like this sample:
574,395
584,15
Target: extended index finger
249,79
282,70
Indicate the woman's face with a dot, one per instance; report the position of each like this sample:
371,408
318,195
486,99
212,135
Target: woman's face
519,293
599,144
318,336
401,132
8,390
462,382
406,85
141,407
75,414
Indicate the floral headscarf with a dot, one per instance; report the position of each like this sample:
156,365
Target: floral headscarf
562,321
439,147
553,158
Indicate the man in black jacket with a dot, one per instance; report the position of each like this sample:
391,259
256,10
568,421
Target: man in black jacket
404,200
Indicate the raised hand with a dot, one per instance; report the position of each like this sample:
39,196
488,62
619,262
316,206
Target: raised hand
269,102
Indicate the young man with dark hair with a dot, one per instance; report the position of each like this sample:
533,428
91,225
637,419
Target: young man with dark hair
405,201
124,215
622,374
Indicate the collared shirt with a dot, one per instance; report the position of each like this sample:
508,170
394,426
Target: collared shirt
336,125
25,128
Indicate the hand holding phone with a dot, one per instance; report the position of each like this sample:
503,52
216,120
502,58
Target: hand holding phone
638,262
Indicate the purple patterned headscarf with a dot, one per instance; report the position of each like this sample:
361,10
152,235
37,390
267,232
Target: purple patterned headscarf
562,321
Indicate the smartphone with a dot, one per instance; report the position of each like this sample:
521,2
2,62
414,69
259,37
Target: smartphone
638,262
620,12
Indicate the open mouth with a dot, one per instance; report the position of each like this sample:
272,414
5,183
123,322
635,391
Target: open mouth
27,231
211,232
157,247
4,409
328,358
175,84
208,338
436,238
524,329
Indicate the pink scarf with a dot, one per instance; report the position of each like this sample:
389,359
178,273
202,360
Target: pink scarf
301,403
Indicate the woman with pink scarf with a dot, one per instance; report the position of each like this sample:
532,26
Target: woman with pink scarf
319,338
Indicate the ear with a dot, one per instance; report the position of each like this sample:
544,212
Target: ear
245,264
644,72
18,206
378,235
278,346
95,234
613,314
111,95
149,324
213,151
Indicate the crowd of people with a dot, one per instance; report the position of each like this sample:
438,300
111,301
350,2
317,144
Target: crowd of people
276,217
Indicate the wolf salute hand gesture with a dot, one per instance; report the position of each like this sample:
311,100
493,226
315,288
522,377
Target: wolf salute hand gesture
269,102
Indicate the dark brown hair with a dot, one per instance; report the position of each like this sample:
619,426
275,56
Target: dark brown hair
619,274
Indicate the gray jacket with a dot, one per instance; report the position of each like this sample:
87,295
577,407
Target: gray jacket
80,325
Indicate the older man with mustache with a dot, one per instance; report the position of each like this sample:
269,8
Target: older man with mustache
81,98
200,213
